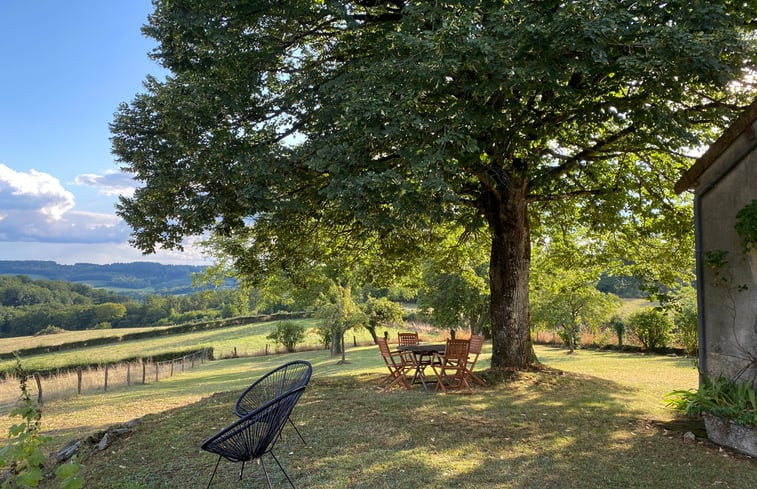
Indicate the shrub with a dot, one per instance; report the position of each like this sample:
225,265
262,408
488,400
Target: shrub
651,327
24,452
619,327
687,333
50,329
721,397
288,334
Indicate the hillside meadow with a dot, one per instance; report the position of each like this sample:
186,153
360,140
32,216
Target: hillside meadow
244,340
8,345
589,420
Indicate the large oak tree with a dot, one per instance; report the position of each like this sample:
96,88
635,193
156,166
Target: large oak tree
376,121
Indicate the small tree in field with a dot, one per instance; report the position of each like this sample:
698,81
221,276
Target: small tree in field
564,293
651,327
288,334
572,306
381,312
338,313
619,326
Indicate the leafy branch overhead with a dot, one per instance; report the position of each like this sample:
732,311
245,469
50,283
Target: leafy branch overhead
379,121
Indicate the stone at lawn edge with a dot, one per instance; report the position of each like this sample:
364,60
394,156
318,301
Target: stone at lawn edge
730,434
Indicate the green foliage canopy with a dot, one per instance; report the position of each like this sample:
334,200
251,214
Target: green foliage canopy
380,120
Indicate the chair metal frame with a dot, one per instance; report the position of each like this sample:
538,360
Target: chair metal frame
254,435
271,385
398,363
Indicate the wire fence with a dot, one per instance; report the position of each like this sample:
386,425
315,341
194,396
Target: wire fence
94,380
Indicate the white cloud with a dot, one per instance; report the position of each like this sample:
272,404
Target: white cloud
113,183
33,191
36,207
39,221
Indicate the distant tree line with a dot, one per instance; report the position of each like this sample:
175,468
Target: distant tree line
29,306
137,278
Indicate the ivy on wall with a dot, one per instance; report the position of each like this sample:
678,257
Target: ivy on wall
746,226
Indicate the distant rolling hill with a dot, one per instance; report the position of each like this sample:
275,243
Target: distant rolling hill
137,278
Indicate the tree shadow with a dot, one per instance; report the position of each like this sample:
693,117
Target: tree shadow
541,429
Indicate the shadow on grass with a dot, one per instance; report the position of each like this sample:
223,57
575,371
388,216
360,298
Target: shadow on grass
538,430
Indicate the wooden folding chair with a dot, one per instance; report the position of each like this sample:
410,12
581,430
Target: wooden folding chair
407,339
474,350
450,368
398,363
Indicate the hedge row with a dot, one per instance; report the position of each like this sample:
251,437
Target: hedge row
179,329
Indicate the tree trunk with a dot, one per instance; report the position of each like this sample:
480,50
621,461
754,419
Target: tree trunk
372,331
336,341
506,210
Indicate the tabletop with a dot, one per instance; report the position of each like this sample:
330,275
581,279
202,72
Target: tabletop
423,348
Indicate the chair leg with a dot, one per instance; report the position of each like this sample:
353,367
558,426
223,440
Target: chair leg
282,470
399,376
387,378
477,379
214,472
440,376
241,471
268,479
298,431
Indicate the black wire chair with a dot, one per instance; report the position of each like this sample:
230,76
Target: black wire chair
279,380
254,435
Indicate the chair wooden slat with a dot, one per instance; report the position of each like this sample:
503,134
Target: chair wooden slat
398,363
450,368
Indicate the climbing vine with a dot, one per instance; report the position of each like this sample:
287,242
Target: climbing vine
746,226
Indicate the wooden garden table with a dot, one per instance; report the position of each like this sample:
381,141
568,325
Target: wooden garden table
423,355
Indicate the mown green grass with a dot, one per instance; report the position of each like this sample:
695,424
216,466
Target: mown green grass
593,425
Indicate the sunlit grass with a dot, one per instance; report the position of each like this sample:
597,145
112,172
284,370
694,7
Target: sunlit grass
9,345
594,426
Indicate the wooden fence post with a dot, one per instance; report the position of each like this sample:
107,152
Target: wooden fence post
78,380
128,373
156,371
172,362
39,387
106,378
144,372
354,341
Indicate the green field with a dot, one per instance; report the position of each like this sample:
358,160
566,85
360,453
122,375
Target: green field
592,420
597,424
8,345
249,339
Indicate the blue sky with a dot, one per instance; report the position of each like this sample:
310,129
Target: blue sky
64,68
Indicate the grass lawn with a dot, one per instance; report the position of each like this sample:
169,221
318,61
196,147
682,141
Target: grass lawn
593,426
